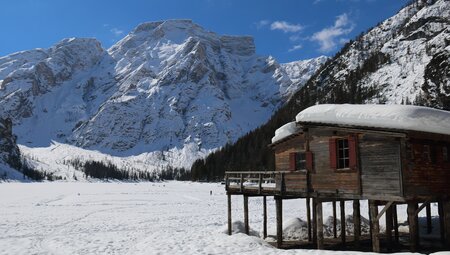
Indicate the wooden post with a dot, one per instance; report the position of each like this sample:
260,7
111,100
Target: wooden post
279,209
356,221
264,217
229,215
342,206
389,226
247,227
308,217
373,211
446,210
334,220
319,223
429,223
314,221
441,221
395,220
413,226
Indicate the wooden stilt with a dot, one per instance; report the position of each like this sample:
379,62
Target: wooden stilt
264,217
446,210
395,222
356,221
373,211
334,220
247,228
429,223
342,207
279,208
319,223
413,226
389,227
441,221
308,217
229,215
314,221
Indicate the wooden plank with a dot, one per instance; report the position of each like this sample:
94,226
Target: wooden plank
342,207
395,222
441,221
413,226
446,212
229,215
247,227
319,218
314,221
373,210
279,209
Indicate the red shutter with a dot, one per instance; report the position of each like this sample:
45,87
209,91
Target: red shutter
333,156
292,161
352,145
309,161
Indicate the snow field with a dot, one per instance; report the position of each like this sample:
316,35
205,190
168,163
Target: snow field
138,218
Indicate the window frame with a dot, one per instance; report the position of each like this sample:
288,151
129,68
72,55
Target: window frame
342,154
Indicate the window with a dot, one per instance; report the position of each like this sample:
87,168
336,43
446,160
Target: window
426,155
343,152
343,157
300,161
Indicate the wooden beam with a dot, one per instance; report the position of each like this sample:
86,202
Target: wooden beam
385,208
314,220
334,220
395,223
342,207
279,209
264,217
413,226
373,211
389,227
356,221
229,215
429,222
247,227
446,210
441,221
308,217
319,223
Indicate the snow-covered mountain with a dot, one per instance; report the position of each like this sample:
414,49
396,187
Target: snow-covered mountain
404,59
170,88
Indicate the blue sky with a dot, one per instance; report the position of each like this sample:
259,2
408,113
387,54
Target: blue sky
286,29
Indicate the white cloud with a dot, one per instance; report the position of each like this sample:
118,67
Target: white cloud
116,31
295,47
262,23
286,27
329,37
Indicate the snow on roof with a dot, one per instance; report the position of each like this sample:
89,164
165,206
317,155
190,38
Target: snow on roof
406,117
285,131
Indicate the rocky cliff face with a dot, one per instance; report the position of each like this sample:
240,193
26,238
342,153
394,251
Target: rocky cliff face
9,152
166,85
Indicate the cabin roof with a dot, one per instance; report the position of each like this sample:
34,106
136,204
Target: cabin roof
398,117
285,131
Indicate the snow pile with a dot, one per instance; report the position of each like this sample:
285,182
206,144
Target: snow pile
285,131
238,227
407,117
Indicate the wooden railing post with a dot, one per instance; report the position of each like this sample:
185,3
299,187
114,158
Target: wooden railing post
260,183
242,182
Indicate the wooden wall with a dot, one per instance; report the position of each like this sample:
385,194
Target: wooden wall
425,176
282,150
380,165
323,178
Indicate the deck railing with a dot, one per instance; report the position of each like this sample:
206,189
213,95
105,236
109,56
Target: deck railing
251,180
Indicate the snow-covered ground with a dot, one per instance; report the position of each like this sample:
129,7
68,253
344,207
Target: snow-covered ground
136,218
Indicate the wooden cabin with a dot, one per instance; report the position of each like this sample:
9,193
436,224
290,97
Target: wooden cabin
388,155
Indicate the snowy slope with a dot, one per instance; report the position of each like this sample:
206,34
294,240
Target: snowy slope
169,92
